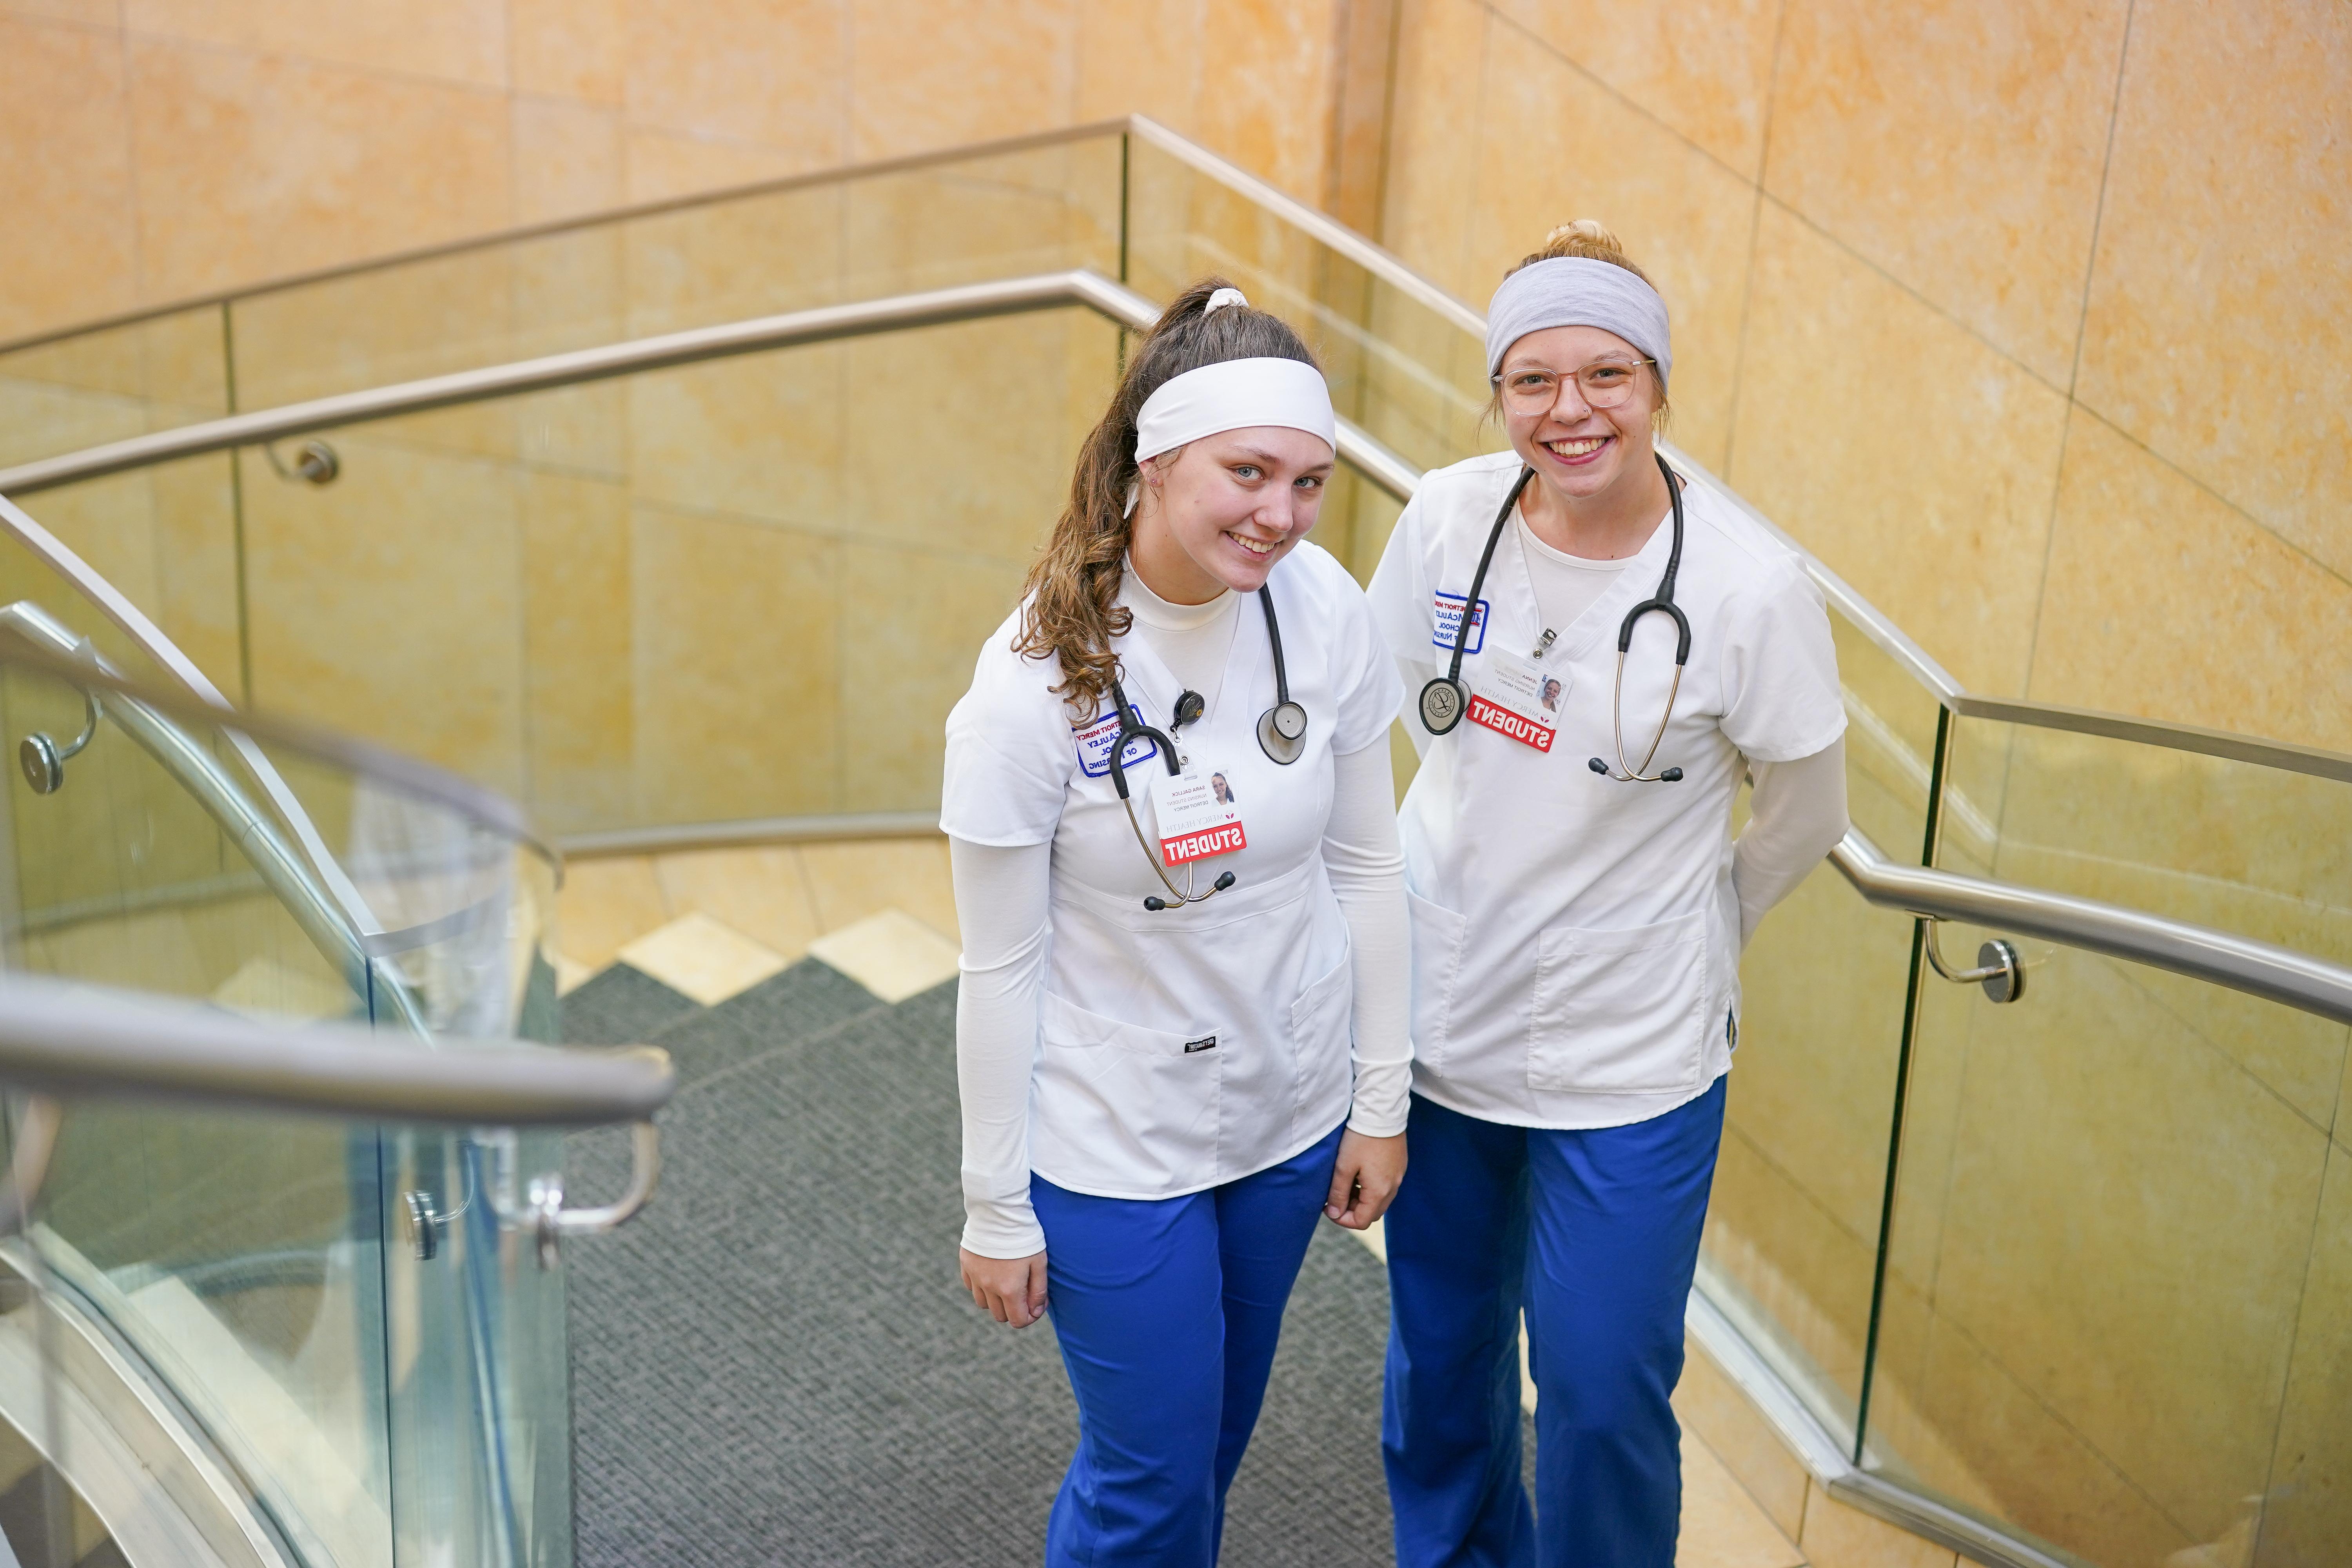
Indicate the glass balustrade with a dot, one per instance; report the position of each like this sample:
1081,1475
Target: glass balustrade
1793,1226
2076,1265
334,1305
2115,1312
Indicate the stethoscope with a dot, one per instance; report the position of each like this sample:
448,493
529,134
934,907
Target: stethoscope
1445,699
1281,735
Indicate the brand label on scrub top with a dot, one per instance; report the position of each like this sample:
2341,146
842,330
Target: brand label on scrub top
1093,740
1205,1042
1520,698
1449,621
1197,813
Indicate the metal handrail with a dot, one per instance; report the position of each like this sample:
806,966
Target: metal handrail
2242,963
1080,287
315,911
69,1040
665,351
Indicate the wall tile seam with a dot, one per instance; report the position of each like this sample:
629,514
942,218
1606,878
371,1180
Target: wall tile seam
2082,335
835,533
521,96
1620,94
1956,1325
61,23
1765,193
136,36
1740,1481
1800,1187
2287,1357
2128,973
2191,478
1755,237
2072,402
134,209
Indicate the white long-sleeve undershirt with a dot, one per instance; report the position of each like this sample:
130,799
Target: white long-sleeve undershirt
1001,904
1798,815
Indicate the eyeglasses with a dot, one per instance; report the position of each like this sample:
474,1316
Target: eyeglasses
1603,384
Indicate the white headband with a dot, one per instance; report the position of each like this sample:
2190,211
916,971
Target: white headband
1578,291
1234,394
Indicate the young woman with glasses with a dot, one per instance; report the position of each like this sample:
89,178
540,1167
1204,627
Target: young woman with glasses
1579,907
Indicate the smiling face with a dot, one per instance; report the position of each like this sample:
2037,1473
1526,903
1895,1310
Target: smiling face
1218,513
1582,453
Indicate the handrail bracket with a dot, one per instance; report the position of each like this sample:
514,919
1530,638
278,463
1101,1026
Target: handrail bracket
2000,968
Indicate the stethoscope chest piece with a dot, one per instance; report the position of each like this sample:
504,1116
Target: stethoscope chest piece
1282,731
1441,704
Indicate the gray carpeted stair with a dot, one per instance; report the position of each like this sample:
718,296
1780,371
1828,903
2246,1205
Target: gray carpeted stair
775,1364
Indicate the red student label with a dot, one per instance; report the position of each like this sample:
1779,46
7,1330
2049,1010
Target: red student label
1198,815
1201,846
1505,722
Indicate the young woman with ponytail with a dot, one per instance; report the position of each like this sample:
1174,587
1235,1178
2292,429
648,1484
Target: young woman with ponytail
1169,1066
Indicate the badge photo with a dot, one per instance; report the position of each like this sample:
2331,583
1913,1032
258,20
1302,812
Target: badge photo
1520,698
1198,815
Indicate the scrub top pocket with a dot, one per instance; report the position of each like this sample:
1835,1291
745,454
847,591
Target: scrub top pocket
1619,1012
1320,1039
1112,1096
1437,942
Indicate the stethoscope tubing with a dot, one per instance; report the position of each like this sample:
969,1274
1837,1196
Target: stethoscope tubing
1452,680
1281,729
1663,599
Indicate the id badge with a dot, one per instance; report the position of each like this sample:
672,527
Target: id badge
1520,698
1197,813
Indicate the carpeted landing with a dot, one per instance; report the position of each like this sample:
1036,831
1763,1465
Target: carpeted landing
775,1363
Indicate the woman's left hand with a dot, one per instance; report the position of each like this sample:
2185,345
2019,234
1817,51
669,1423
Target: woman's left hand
1365,1181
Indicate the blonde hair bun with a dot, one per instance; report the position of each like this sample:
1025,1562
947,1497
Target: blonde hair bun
1589,230
1587,239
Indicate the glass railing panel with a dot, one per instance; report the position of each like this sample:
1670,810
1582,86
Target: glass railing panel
113,383
1792,1232
2116,1193
2261,850
1041,209
716,593
2115,1310
1408,373
865,235
165,537
391,1401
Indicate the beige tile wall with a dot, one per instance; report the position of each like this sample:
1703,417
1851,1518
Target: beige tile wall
1950,300
2028,317
164,148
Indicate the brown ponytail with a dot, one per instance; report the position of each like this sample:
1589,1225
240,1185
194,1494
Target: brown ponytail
1069,608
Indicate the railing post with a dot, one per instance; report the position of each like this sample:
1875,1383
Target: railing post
1931,840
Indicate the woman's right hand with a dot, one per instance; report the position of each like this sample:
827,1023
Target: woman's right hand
1011,1288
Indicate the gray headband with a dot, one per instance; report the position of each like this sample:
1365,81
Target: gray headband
1577,291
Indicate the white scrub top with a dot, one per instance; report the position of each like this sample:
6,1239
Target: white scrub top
1183,1047
1575,937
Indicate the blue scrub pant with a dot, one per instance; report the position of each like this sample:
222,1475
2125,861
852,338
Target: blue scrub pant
1168,1311
1595,1234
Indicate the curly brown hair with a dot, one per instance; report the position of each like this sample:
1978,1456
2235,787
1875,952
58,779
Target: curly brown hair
1069,605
